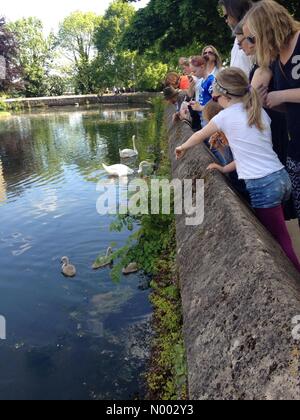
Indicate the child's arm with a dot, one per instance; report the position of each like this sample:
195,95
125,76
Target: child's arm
262,77
196,139
223,169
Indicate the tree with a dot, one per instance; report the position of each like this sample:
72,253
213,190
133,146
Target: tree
114,64
36,53
117,65
172,24
10,72
76,39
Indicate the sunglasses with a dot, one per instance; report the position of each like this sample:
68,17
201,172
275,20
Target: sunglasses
209,53
251,39
225,17
240,43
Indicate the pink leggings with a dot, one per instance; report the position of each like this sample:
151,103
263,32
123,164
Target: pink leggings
273,220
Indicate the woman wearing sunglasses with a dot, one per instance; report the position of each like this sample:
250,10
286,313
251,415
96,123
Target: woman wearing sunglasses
247,128
233,11
261,77
214,64
277,37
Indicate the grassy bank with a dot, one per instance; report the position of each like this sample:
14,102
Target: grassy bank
3,108
4,114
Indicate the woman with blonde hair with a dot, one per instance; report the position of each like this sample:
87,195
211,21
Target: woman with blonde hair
247,128
277,37
214,59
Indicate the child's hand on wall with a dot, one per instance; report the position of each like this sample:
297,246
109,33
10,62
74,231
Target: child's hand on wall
215,167
180,152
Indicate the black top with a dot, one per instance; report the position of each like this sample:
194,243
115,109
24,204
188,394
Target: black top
280,137
288,77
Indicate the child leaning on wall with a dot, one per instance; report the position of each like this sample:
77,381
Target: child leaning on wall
219,146
248,129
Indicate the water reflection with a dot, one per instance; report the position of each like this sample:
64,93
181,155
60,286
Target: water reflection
2,185
67,339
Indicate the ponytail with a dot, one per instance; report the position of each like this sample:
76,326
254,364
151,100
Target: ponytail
252,103
233,83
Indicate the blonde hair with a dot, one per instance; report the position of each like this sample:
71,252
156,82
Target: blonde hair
273,27
219,63
233,83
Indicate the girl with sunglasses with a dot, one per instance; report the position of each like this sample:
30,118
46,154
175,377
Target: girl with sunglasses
247,128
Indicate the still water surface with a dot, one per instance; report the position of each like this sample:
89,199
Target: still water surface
66,338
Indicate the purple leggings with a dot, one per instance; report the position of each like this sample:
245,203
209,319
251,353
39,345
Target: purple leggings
273,220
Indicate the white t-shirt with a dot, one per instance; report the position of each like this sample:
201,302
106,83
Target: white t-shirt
240,60
252,149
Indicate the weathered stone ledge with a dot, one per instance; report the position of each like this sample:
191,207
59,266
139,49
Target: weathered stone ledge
239,294
56,101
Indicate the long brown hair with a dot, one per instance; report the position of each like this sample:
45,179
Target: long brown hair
273,28
234,84
219,63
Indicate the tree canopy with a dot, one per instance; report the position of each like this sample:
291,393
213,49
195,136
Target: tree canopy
76,40
122,48
173,24
35,54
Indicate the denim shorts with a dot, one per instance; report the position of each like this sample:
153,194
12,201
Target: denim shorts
270,191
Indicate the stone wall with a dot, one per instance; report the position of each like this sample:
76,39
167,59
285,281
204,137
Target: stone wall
239,293
56,101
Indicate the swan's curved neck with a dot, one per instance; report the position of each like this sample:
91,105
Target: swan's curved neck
134,145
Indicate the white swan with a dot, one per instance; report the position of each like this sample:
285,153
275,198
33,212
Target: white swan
118,170
145,168
129,153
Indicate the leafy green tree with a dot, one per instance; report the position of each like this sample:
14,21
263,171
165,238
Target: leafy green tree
76,39
57,85
173,24
149,73
36,53
117,65
114,64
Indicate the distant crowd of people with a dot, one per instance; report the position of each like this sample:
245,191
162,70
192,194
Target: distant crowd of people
249,113
117,91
